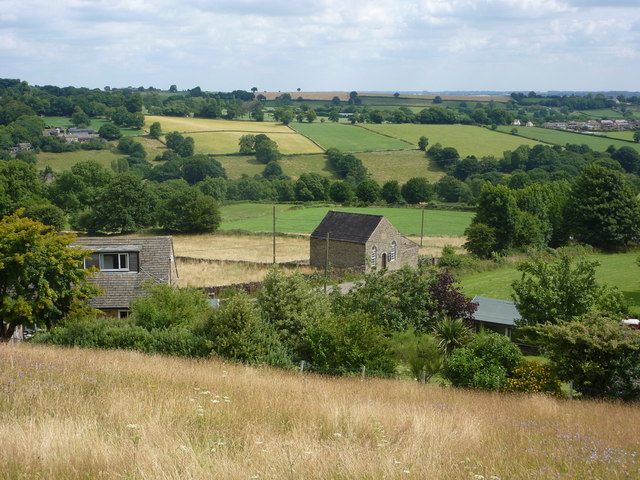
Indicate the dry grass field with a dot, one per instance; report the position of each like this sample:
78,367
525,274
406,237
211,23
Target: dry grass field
221,136
230,249
82,414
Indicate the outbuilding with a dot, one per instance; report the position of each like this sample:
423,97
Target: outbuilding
361,242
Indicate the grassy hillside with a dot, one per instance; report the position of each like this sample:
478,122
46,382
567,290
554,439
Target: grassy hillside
348,138
619,270
79,414
60,162
400,165
305,220
560,137
467,139
221,136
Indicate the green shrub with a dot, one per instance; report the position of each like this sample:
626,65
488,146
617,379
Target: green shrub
533,377
419,351
484,363
346,343
167,306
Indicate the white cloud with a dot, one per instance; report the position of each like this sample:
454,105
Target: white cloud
323,44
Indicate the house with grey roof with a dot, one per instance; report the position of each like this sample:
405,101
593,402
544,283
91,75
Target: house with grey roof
361,242
124,264
496,315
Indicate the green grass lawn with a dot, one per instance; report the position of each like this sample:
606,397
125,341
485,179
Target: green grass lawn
467,139
618,270
560,137
348,138
60,162
626,135
305,220
400,165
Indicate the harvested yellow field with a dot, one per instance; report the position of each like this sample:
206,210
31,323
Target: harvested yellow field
344,96
218,274
249,248
191,125
96,414
222,136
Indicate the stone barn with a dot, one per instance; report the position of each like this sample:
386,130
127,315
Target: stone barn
361,242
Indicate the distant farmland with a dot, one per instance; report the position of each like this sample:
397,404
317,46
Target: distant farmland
467,139
349,138
305,220
221,136
561,137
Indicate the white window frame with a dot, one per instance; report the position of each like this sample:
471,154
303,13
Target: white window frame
374,256
123,313
123,262
393,252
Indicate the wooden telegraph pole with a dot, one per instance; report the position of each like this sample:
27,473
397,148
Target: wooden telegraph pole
422,228
274,234
326,263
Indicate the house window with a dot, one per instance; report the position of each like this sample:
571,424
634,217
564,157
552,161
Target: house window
393,252
114,262
374,256
123,313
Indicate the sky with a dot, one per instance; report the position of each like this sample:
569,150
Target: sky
324,45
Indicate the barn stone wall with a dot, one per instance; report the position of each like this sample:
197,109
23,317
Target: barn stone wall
341,254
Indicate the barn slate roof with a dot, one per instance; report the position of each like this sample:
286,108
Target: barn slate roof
492,310
156,260
347,227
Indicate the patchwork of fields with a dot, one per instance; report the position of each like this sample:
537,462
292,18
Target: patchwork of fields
561,137
467,139
221,136
349,138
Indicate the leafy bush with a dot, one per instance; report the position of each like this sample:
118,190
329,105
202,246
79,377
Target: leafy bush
168,306
124,334
238,333
533,377
600,357
485,363
347,343
421,352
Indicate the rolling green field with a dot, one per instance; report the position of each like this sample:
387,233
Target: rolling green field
467,139
560,137
619,270
400,165
348,138
96,123
305,220
606,113
626,135
60,162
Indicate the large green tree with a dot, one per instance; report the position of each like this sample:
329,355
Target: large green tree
602,209
189,210
41,275
553,292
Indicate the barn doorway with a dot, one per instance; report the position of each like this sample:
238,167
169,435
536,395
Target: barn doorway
384,260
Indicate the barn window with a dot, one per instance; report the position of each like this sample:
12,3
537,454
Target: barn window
114,262
374,256
393,252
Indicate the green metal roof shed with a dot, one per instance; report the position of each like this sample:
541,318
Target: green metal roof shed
496,314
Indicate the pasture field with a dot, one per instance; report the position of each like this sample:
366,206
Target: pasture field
618,270
407,220
560,137
348,138
192,125
625,135
467,139
227,142
222,274
77,414
60,162
607,113
400,165
95,123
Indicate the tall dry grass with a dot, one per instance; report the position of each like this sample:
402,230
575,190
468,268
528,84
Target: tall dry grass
227,273
250,248
71,413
